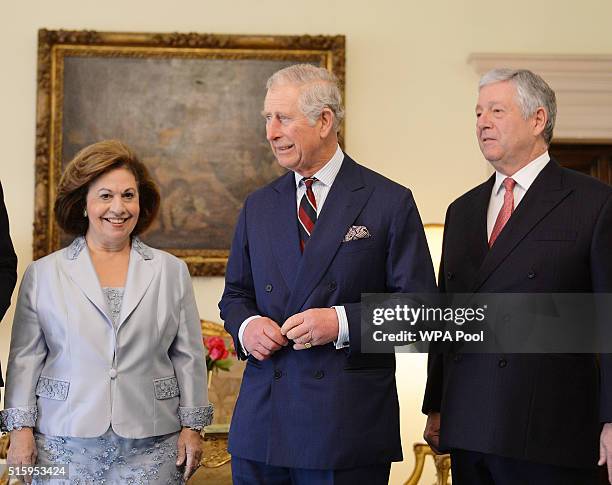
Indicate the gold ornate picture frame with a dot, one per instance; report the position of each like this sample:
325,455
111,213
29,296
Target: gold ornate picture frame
187,104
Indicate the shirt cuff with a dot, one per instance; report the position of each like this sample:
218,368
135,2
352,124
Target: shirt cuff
343,328
243,326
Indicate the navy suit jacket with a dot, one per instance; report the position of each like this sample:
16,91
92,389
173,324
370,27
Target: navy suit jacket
543,408
321,408
8,264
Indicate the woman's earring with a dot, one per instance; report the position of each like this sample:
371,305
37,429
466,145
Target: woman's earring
84,212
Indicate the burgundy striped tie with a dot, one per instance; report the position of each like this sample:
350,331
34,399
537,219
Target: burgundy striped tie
307,213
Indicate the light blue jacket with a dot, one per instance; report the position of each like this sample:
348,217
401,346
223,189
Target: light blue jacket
72,373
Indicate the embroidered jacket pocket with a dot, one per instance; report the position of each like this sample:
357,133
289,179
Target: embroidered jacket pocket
166,388
52,388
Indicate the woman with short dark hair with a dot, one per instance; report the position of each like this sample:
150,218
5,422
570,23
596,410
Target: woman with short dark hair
106,369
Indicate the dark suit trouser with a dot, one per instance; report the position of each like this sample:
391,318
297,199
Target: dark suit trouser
473,468
249,472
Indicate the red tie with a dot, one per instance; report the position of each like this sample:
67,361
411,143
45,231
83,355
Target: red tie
307,213
506,210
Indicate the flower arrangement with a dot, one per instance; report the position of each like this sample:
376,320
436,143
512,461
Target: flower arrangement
218,354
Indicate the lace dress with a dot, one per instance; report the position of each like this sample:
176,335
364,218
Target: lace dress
110,459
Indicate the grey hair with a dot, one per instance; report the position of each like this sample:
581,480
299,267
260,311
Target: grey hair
532,93
319,90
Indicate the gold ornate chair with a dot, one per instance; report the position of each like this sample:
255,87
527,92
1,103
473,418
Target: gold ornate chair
223,388
442,462
4,442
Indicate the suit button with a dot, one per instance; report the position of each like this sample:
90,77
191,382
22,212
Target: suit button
332,285
112,373
278,374
457,358
531,275
319,374
268,288
506,318
450,275
502,363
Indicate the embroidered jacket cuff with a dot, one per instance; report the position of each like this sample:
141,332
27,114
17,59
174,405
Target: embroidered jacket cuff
196,418
16,418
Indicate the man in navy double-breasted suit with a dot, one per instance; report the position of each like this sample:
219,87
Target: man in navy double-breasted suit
312,407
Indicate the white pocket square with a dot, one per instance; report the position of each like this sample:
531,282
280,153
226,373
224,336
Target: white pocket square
356,232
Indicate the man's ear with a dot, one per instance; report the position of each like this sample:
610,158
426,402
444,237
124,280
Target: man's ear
540,117
327,122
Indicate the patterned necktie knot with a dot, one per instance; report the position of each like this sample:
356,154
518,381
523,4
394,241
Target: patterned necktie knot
509,184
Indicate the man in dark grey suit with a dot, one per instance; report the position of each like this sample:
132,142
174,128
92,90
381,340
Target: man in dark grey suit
8,265
533,227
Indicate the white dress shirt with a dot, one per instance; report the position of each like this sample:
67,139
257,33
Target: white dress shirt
325,178
523,178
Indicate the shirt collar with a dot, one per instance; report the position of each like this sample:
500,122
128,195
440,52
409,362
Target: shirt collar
526,175
327,173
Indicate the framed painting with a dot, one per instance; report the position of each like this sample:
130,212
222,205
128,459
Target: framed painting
188,105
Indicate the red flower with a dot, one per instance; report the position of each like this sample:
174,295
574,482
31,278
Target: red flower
216,348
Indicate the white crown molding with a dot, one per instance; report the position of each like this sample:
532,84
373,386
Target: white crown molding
582,83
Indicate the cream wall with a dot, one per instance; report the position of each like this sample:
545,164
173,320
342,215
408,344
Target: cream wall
409,93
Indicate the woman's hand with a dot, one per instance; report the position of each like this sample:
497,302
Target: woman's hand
189,449
22,450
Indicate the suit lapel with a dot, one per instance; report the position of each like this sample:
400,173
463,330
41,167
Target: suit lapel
345,200
545,194
475,223
282,228
139,277
79,268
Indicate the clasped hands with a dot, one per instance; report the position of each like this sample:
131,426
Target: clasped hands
317,326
